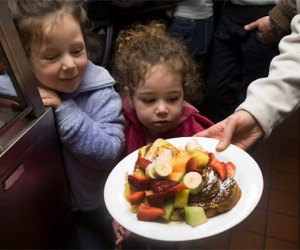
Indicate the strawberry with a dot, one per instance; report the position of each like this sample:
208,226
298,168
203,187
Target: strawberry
173,190
211,158
161,185
142,162
192,164
231,169
220,168
156,200
136,197
148,213
139,182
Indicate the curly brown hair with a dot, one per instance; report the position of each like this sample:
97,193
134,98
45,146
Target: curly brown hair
142,46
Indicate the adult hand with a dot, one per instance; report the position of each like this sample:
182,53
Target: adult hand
240,129
264,29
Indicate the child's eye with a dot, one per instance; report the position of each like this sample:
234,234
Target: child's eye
51,57
148,101
173,99
77,51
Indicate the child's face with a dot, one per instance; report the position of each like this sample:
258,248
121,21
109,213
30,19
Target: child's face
60,62
158,101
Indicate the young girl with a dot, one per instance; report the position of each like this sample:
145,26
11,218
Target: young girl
87,109
155,73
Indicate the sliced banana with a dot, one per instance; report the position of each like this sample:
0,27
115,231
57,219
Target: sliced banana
193,145
165,155
156,146
151,172
163,169
193,181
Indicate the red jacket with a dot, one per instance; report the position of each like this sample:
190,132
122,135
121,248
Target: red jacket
135,137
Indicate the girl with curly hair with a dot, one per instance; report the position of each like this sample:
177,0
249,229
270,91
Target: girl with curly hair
156,74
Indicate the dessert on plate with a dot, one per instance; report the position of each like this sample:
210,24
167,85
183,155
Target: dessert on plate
187,184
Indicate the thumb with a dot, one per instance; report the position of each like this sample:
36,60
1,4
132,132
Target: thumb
251,26
222,145
226,137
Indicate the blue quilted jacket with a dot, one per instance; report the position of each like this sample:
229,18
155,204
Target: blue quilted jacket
90,125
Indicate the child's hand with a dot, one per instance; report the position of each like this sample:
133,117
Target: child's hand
120,232
49,97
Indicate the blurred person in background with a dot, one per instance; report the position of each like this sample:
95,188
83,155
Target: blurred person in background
269,100
238,56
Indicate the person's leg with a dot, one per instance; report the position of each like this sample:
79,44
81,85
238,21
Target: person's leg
224,70
94,230
202,35
257,57
182,28
195,33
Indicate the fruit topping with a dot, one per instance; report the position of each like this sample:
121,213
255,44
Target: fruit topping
139,182
192,164
193,145
219,166
162,185
142,162
174,184
151,172
136,197
148,213
163,169
231,169
156,200
193,181
181,198
194,216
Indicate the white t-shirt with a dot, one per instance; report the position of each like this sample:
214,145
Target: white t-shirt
194,9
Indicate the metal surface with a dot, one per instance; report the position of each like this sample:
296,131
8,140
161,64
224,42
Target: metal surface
18,62
35,210
34,198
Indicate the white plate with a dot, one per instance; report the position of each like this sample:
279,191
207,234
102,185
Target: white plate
248,176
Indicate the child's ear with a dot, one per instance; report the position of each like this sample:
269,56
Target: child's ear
126,91
129,95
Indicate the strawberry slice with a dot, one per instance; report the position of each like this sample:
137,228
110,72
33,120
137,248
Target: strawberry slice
161,185
211,158
220,168
136,197
231,169
142,162
156,200
192,164
173,190
139,182
148,213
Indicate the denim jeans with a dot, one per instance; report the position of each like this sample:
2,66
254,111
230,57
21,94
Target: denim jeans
238,57
195,33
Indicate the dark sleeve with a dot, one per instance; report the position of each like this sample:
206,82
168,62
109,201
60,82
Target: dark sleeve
281,16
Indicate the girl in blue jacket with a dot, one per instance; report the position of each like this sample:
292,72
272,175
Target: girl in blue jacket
87,108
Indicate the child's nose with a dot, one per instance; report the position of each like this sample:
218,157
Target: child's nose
161,110
68,62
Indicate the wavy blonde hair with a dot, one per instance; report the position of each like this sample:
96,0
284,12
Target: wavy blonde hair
140,47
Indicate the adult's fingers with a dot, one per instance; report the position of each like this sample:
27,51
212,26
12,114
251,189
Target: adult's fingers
226,136
204,133
251,26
